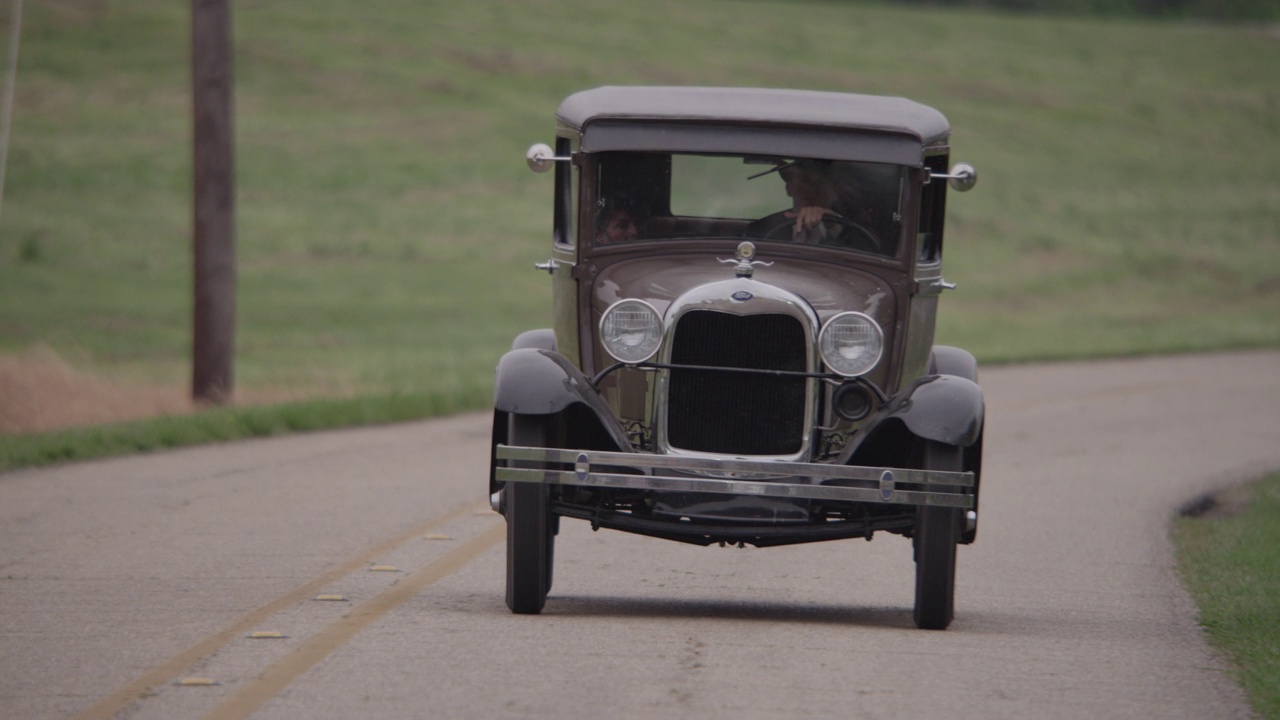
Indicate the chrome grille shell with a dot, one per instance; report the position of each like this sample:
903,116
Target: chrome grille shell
739,299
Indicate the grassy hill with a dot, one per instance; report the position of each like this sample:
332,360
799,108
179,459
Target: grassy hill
1129,200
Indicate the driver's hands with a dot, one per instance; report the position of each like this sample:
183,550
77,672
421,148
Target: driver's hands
808,218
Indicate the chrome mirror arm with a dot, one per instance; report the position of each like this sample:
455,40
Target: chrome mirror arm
542,158
962,177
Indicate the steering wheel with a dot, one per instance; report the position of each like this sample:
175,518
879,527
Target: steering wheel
846,233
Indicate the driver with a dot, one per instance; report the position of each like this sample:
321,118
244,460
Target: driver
816,194
811,197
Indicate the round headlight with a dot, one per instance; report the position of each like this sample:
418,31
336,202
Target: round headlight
851,343
631,331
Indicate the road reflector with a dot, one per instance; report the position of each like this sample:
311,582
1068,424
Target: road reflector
267,635
197,681
332,598
384,568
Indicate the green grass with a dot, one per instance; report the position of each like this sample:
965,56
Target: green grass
387,225
220,424
1232,565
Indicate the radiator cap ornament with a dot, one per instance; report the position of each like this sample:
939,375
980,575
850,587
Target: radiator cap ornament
744,266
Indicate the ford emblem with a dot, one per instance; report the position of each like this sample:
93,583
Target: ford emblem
742,296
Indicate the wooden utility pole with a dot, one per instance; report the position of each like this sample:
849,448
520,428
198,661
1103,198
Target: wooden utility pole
213,345
11,79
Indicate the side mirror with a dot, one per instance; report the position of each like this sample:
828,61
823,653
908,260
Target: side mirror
962,177
542,158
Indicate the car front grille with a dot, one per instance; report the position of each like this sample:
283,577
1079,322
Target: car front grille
731,412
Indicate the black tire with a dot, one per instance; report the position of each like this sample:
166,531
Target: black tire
530,526
936,534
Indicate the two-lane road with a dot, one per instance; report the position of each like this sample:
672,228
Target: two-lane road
358,574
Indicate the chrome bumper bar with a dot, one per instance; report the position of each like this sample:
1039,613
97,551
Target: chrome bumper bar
813,481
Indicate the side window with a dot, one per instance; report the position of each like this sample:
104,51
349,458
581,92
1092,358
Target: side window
631,191
645,177
933,206
566,194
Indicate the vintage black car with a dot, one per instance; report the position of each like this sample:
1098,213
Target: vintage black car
744,286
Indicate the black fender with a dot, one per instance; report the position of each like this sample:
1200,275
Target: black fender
944,408
542,338
954,361
950,409
947,360
538,381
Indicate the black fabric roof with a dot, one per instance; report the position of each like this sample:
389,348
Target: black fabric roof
794,108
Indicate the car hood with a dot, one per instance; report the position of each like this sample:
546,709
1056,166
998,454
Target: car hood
827,289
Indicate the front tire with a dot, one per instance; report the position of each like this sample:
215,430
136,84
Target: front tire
530,525
936,534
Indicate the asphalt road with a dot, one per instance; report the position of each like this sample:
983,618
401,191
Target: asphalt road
134,587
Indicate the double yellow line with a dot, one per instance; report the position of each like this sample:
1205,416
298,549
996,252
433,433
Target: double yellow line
254,693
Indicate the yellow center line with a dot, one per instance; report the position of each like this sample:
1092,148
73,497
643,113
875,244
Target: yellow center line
113,704
256,692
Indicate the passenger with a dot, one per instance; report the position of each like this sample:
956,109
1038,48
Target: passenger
620,219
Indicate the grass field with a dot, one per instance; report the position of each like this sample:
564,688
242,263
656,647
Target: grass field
1128,200
1230,557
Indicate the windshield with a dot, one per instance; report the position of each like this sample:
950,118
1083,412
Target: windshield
848,205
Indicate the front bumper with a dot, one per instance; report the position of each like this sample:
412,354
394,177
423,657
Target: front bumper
673,473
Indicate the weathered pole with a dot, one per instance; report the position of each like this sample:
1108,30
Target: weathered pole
10,80
213,327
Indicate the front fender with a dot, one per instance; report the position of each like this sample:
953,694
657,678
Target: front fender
535,381
544,338
943,408
946,360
